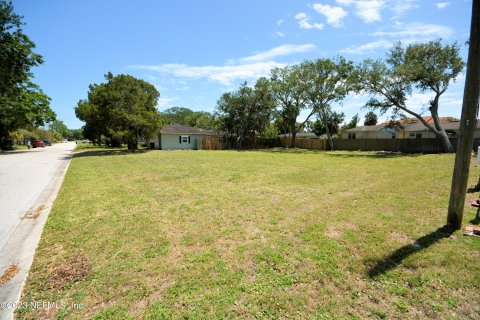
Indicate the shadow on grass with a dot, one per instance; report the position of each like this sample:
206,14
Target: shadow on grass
476,220
473,189
104,153
396,258
341,154
371,154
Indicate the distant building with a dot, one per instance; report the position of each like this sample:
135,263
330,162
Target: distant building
299,135
407,129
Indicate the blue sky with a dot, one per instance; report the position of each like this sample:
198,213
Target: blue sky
193,51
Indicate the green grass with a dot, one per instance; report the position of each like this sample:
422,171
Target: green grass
265,234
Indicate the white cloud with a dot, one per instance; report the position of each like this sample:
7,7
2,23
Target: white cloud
164,102
367,48
367,10
334,15
417,29
278,34
304,22
280,22
283,50
402,6
442,5
406,33
222,74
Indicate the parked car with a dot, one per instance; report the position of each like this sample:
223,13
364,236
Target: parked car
64,141
47,142
38,144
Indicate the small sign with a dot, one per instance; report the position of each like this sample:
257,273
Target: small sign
478,156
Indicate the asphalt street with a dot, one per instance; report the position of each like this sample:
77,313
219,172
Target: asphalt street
29,182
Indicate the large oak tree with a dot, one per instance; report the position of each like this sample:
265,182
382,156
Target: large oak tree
123,109
327,81
428,67
22,103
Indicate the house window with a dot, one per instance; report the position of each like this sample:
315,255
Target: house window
415,135
352,135
184,139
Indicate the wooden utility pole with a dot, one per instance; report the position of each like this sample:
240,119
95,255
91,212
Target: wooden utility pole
467,124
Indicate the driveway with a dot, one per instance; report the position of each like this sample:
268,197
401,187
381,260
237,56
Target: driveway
29,182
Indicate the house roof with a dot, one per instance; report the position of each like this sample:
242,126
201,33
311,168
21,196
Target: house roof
298,135
413,124
181,129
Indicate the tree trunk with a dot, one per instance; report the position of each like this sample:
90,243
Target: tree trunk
467,124
293,135
441,134
447,145
327,131
239,140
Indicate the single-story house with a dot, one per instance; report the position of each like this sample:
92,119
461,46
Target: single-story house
408,129
180,137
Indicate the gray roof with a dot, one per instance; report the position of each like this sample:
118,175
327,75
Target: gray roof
377,127
181,129
298,135
411,126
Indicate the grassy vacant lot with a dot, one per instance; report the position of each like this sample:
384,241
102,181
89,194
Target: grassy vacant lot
265,234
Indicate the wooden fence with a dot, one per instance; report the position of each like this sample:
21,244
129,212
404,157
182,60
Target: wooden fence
393,145
213,143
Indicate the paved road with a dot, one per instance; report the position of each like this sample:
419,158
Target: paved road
29,182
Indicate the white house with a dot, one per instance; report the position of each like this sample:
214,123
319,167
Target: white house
180,137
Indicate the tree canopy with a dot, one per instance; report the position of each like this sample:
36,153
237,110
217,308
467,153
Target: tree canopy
288,90
187,117
371,119
245,112
122,109
333,123
328,81
427,67
22,103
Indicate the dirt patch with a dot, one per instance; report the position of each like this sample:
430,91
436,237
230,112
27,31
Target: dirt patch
332,233
34,214
9,274
76,268
400,236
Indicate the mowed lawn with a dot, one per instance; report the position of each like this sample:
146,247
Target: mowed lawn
260,234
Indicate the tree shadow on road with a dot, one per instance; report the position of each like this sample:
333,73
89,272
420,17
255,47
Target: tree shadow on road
10,152
395,259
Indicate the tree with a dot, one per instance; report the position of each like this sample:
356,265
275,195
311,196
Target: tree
77,134
246,112
94,120
187,117
176,115
122,109
428,67
328,81
201,119
352,124
60,127
333,123
288,89
371,119
22,102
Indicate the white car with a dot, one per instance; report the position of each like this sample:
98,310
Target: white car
64,141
